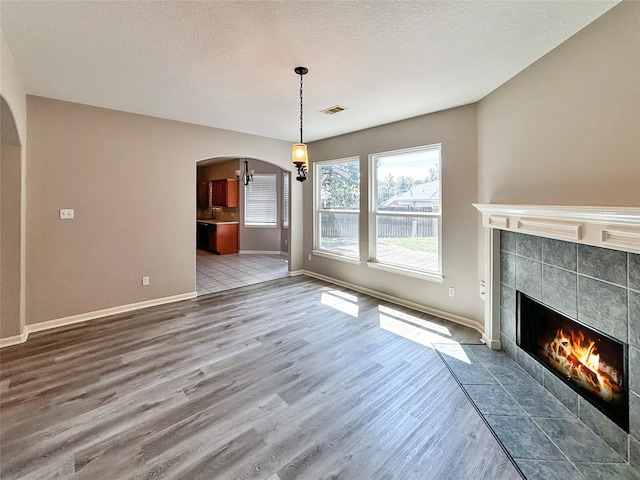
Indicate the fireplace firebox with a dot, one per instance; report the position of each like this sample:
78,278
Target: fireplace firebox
590,362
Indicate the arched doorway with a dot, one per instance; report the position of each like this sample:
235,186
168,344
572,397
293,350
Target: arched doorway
10,225
263,228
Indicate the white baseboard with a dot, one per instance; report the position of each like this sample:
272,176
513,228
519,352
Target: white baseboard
263,252
13,340
467,322
492,344
295,273
83,317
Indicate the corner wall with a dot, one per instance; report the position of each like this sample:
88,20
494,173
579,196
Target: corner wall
566,130
132,182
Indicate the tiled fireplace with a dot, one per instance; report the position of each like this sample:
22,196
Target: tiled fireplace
584,265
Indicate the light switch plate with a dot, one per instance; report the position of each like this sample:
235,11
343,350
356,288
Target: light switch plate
66,213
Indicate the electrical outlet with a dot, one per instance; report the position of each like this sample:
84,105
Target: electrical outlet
452,292
309,257
286,241
145,281
66,213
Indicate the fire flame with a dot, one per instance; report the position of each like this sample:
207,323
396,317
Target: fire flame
575,357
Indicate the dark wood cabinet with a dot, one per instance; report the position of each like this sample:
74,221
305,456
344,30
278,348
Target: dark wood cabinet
226,238
224,193
218,193
204,195
219,238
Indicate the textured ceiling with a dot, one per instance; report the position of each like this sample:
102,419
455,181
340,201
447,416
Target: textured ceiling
229,64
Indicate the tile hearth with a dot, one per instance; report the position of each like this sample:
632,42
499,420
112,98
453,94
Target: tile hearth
544,438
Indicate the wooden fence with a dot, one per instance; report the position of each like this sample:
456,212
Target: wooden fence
345,225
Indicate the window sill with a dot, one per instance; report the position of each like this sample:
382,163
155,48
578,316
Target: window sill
429,276
336,256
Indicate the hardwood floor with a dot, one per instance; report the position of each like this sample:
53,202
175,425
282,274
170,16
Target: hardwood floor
291,379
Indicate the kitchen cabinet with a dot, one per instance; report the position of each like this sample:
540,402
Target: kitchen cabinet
221,238
204,195
224,193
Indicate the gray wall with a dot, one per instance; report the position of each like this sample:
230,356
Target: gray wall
132,182
566,130
456,130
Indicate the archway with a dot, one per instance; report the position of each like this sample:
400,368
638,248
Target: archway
10,225
266,244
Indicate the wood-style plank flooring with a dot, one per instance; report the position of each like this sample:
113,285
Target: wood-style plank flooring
291,379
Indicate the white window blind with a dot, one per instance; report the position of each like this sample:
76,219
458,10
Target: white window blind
260,201
285,199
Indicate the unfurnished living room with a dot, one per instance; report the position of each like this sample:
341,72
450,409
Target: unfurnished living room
359,239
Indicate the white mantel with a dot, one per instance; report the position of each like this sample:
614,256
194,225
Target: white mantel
608,227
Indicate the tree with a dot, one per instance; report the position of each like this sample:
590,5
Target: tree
340,187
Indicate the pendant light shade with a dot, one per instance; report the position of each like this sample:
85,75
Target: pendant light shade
299,153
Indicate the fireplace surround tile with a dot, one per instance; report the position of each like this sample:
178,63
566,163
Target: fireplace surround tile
634,452
603,264
634,369
578,442
508,346
529,246
613,435
560,290
508,268
604,307
529,365
634,318
529,277
634,414
560,390
508,241
634,271
559,253
607,299
508,323
508,297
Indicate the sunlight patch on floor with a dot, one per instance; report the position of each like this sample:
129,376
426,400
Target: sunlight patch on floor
455,351
413,328
341,301
407,317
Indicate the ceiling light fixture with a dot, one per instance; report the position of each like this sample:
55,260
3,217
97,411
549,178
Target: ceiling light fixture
299,150
245,176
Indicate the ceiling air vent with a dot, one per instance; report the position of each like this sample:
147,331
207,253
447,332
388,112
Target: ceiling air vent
332,110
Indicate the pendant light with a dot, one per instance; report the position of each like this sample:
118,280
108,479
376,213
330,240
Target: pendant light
299,150
245,176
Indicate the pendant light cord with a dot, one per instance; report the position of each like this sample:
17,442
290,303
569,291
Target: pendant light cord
301,108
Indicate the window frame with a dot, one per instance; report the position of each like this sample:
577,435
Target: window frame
317,181
374,213
286,176
275,200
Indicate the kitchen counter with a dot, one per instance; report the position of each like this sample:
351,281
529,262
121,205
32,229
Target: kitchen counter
217,222
217,236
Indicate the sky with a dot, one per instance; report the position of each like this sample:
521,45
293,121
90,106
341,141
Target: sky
415,164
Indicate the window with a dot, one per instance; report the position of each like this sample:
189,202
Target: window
337,207
285,199
406,209
260,201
